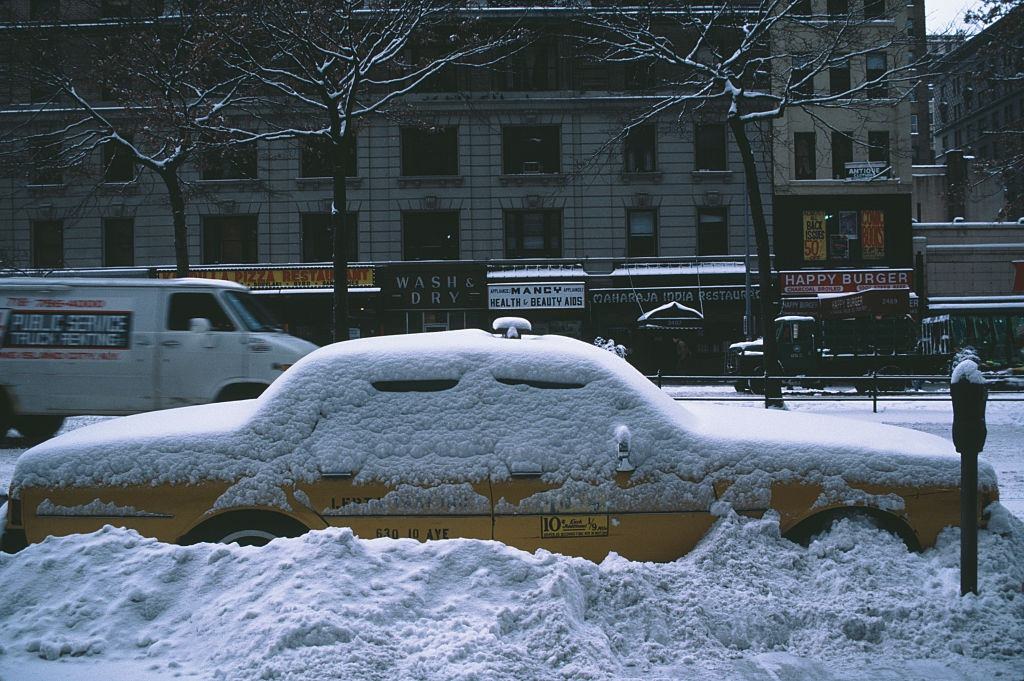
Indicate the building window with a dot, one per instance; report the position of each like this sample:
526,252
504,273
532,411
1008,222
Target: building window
44,162
838,8
318,238
185,307
712,231
531,149
118,163
641,233
876,68
229,239
913,124
430,235
805,156
315,158
801,76
878,149
839,78
533,68
801,8
430,151
118,242
47,243
945,143
709,146
640,75
842,153
533,234
235,162
638,150
874,9
115,9
43,10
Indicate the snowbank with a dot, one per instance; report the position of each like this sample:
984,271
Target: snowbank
432,409
745,604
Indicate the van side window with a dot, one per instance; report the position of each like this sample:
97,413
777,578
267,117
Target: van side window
186,306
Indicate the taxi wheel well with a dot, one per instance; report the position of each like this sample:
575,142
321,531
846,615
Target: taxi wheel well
240,391
220,527
804,531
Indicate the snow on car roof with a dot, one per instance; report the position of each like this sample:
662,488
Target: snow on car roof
430,409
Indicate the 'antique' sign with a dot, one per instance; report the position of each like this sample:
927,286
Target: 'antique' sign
843,281
540,296
452,287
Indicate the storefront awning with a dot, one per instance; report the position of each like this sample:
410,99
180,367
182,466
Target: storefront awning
672,316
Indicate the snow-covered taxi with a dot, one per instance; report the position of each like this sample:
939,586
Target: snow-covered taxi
539,441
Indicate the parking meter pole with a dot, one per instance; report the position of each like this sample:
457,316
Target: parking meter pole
969,393
968,523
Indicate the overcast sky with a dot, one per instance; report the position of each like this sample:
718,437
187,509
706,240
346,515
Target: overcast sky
943,14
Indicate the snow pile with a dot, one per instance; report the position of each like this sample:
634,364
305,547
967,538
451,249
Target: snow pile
329,605
435,409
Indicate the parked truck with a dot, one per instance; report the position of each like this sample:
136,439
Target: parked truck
122,346
848,336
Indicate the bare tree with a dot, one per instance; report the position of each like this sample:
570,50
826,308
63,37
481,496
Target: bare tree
321,67
142,90
751,63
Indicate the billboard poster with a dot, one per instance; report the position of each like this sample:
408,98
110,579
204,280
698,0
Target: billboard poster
872,234
848,223
839,247
814,235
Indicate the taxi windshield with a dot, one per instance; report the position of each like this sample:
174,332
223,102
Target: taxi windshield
251,312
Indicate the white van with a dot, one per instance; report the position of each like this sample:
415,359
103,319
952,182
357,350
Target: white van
121,346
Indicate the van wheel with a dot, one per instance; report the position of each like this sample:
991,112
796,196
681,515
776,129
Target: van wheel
241,391
6,415
809,528
38,428
757,384
245,528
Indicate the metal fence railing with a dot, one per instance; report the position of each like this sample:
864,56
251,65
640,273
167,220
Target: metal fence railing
871,387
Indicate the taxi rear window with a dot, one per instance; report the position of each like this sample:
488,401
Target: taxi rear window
544,385
430,385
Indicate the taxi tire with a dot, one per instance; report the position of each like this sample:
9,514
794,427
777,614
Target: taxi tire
38,428
245,528
807,529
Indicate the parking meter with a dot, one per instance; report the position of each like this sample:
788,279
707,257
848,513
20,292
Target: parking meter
969,394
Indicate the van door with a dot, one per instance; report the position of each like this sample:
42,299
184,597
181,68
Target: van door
195,365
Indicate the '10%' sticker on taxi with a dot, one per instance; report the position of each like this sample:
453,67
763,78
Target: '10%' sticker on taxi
559,526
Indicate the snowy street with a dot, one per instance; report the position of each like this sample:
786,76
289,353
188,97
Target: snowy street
745,604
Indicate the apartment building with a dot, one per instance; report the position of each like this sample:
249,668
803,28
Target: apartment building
512,175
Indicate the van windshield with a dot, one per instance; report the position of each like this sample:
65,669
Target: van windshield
251,312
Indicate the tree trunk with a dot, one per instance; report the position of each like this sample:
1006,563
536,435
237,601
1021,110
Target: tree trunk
339,224
773,389
177,200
